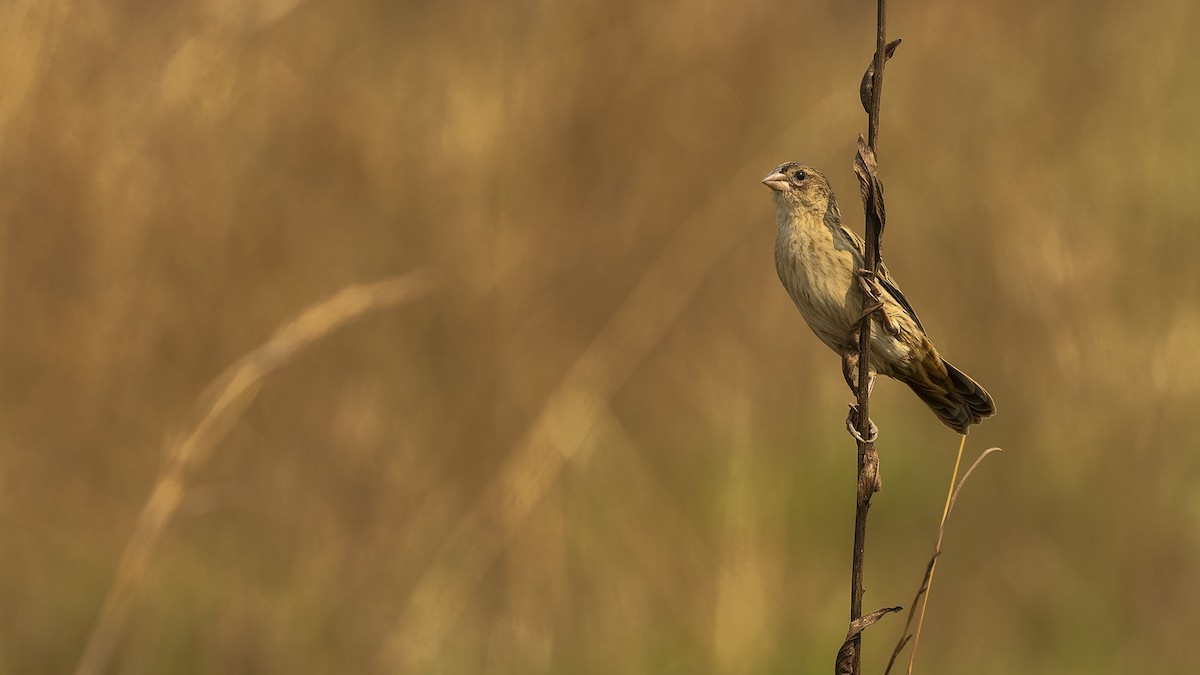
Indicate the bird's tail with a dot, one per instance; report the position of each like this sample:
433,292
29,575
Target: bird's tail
954,397
976,398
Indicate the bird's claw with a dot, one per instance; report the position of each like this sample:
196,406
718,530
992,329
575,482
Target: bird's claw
871,309
852,427
889,324
871,288
869,284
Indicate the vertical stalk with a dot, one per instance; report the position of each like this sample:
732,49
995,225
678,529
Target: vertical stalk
868,458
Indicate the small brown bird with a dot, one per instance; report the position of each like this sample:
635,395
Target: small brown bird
821,265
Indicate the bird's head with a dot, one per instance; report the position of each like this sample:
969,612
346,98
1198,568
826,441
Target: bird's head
800,187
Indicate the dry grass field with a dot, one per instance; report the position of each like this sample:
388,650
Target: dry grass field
602,440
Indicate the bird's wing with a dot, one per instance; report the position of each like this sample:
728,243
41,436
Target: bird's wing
885,278
890,285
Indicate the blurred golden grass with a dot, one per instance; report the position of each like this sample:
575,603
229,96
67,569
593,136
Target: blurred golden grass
228,398
557,434
181,179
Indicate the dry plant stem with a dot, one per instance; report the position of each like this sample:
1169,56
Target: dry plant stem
221,407
937,548
927,580
868,458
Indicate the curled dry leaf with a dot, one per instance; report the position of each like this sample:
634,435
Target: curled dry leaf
870,188
845,657
867,86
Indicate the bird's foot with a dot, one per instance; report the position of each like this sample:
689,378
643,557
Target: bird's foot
888,324
852,427
869,284
871,288
891,326
870,309
850,366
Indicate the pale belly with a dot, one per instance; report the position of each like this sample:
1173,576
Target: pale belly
827,293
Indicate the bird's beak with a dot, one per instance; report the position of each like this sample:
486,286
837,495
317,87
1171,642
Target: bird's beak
776,181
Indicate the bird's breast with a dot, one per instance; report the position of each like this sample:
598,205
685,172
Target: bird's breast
820,278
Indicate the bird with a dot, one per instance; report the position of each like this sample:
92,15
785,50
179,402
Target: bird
821,264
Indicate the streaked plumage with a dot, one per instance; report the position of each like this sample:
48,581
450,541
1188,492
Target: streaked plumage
818,262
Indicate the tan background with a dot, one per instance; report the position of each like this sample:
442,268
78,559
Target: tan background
181,178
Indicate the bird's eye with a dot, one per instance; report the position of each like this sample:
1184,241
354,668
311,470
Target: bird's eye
799,176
